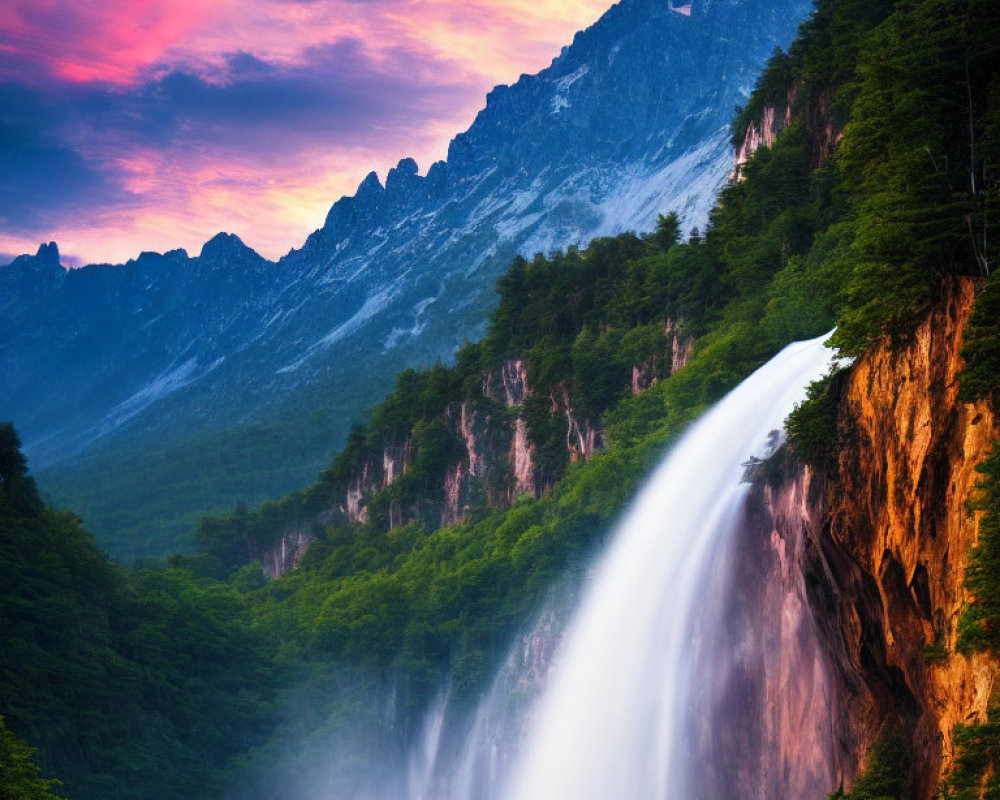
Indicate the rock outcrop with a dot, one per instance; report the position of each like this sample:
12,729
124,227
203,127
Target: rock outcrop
760,133
772,709
286,554
812,111
882,544
898,536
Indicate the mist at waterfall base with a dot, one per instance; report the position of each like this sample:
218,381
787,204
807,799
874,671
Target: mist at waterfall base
664,679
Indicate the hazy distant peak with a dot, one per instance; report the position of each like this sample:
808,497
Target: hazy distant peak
46,259
225,246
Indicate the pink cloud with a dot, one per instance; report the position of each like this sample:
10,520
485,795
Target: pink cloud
117,41
187,174
111,41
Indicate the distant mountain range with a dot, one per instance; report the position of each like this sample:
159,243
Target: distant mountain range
149,392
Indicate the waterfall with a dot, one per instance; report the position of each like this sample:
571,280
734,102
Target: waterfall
674,638
613,720
424,756
491,742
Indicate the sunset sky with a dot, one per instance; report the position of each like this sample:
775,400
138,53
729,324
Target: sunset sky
130,125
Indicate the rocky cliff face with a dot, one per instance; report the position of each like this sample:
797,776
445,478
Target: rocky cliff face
898,536
760,133
773,716
286,554
762,129
498,457
494,457
883,544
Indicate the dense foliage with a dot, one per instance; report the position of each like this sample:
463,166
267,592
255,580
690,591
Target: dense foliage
977,754
812,426
142,683
980,379
20,777
915,160
884,776
979,627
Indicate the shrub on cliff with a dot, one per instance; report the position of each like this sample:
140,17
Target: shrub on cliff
812,426
884,776
979,627
981,377
974,775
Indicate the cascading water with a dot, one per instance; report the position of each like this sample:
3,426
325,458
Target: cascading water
491,741
612,722
423,757
619,717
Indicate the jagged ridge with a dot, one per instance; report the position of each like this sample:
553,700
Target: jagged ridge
629,121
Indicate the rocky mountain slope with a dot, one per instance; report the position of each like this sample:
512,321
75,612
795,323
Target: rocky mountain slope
142,367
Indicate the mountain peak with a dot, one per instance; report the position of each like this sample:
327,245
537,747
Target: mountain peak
370,187
402,178
406,166
29,277
46,259
223,246
48,254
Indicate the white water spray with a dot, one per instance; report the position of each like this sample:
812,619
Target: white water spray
423,757
612,722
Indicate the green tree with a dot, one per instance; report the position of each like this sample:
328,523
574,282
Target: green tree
979,626
907,159
980,379
668,231
20,777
